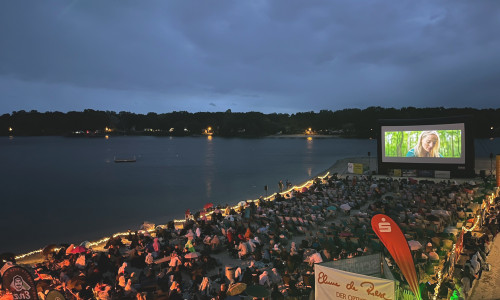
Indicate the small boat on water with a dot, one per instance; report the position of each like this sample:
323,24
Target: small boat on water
122,160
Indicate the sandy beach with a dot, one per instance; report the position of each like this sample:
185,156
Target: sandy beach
487,287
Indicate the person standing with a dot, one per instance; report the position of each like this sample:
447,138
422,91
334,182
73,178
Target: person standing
280,185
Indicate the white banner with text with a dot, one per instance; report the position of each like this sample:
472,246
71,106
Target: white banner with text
337,284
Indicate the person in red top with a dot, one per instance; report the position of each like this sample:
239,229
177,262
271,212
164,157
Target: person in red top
230,236
248,234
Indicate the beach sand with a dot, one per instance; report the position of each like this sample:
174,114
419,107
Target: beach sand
486,288
340,166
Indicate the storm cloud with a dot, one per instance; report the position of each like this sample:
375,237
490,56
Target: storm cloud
269,56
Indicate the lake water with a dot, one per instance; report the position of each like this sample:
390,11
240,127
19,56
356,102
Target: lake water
57,189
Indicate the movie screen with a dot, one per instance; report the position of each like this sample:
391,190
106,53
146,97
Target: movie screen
442,143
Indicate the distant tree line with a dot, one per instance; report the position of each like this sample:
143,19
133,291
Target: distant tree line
359,123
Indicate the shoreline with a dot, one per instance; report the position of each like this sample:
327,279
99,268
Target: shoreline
300,135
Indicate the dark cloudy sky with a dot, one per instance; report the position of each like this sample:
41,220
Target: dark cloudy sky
261,55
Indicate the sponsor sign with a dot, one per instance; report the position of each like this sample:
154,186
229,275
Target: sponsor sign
337,284
20,283
425,173
355,168
393,239
409,173
442,174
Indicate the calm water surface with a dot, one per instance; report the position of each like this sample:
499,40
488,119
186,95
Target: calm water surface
57,189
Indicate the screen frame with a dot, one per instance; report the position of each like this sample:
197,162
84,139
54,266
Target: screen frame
420,160
462,168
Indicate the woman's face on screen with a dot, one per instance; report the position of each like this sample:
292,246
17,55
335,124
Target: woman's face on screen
429,142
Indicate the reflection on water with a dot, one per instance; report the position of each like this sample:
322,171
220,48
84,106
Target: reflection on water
309,145
308,157
209,166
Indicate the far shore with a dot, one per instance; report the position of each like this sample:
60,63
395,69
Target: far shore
321,136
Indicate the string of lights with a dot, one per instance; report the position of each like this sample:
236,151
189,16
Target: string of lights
478,217
438,285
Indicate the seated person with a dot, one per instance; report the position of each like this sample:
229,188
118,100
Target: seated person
243,250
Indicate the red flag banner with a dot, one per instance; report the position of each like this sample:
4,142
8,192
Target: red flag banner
393,239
